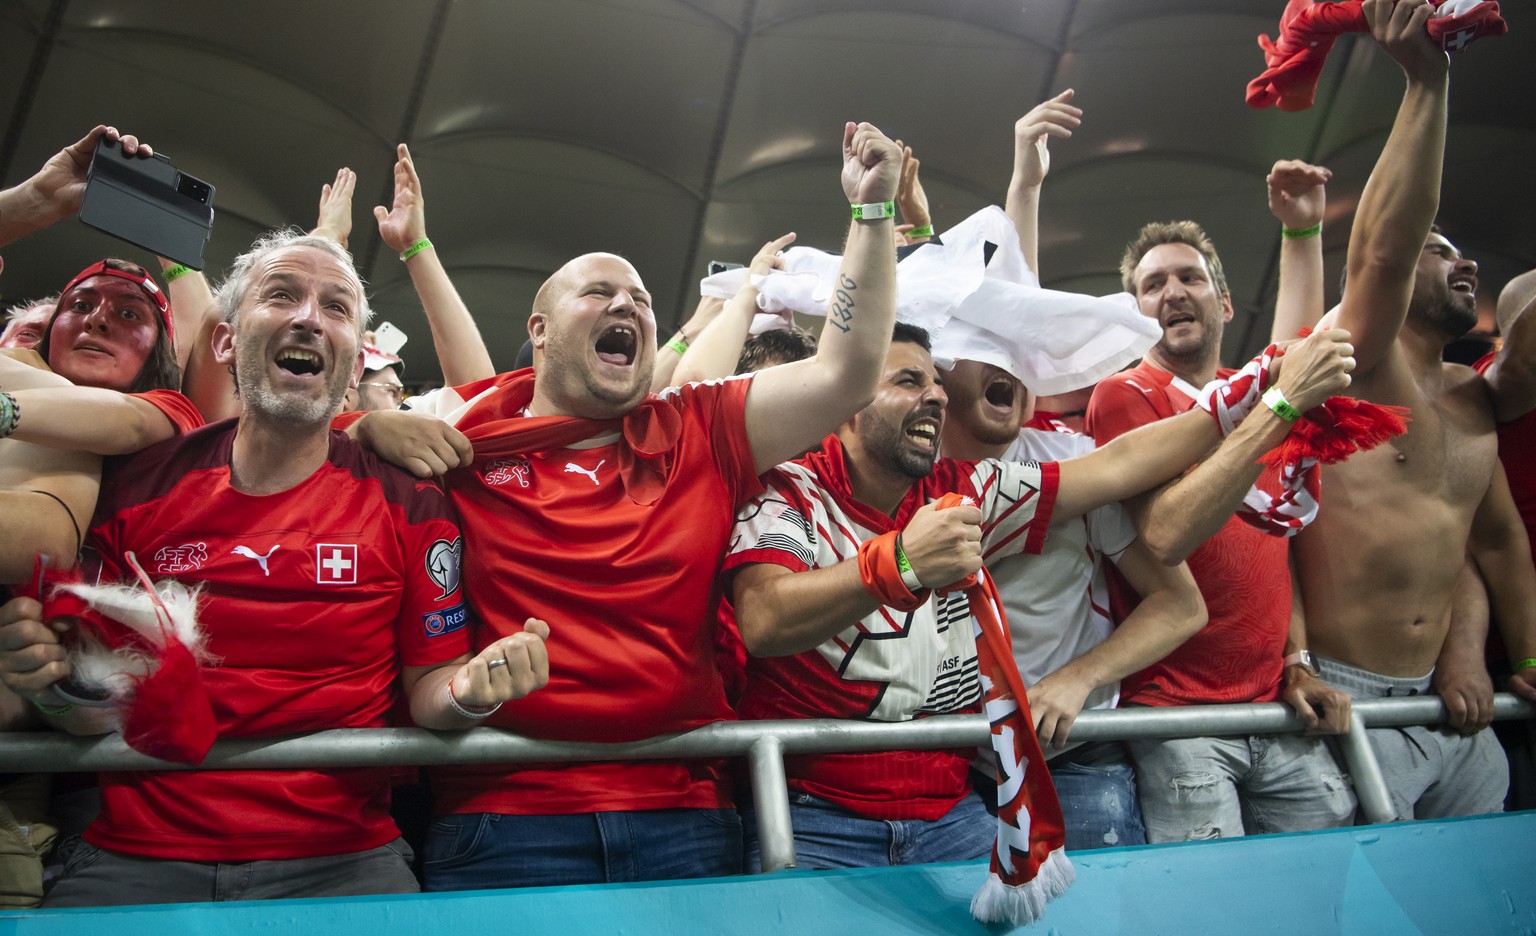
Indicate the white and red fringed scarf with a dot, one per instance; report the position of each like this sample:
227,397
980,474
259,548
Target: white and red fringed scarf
140,648
1029,861
1324,435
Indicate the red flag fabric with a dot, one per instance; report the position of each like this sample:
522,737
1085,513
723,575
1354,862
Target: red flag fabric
1308,28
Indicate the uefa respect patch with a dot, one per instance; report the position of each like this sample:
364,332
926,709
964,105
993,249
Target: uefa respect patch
446,621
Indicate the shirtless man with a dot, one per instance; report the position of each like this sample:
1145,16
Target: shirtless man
1379,567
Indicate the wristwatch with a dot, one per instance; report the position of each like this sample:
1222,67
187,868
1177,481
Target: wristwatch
1303,659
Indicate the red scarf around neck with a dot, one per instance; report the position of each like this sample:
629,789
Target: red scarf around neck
650,432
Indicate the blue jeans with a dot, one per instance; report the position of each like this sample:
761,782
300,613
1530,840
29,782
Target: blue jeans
1096,786
1098,805
829,836
477,851
1203,788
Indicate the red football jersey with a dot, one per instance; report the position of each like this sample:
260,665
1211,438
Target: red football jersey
312,599
1242,573
629,591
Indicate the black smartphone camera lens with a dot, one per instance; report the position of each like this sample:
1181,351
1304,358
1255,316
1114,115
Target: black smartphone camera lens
194,189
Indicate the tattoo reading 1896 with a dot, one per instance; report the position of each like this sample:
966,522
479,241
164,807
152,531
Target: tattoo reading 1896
842,302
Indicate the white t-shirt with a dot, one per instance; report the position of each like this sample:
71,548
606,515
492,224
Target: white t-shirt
1057,602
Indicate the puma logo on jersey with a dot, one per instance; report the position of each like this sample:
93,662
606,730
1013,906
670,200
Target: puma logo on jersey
250,553
573,468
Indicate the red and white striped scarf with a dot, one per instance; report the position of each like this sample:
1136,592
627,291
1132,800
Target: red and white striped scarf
1029,861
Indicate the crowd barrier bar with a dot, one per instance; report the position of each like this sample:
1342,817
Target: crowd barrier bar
763,743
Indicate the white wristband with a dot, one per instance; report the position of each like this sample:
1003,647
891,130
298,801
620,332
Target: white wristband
459,708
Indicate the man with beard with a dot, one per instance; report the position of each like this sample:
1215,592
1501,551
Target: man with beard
325,577
1379,568
1070,653
1247,652
823,644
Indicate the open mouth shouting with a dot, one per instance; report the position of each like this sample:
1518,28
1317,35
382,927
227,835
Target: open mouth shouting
300,362
1464,283
1002,393
618,344
924,432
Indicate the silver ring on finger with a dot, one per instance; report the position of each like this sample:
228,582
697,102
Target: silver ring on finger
499,661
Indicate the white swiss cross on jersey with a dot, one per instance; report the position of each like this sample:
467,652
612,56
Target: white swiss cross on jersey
336,563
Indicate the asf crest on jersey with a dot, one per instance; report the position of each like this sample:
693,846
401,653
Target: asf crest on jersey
444,561
508,471
184,558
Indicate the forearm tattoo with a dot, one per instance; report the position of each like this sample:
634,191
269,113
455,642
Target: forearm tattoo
842,302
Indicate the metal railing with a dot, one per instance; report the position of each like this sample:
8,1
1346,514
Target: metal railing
763,743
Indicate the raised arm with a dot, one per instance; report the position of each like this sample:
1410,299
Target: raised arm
1170,612
192,309
461,351
670,354
1176,519
54,192
1297,197
1400,199
1512,376
912,201
717,349
335,216
1031,161
824,391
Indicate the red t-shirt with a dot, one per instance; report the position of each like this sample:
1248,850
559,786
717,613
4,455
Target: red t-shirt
629,591
177,408
312,600
1242,573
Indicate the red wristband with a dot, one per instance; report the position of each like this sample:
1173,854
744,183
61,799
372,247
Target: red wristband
881,574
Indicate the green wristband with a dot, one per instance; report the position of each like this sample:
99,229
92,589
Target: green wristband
1301,233
1524,664
874,211
922,230
415,249
678,344
1275,400
54,711
904,566
174,273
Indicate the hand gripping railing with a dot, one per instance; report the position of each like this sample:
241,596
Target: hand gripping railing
763,743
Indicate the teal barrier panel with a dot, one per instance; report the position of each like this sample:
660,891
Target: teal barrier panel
1459,876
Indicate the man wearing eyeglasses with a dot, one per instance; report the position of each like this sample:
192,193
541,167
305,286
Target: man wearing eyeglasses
380,387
